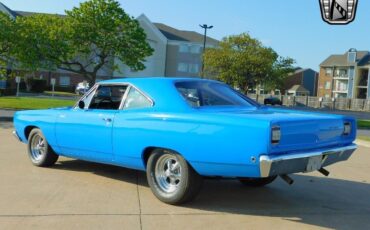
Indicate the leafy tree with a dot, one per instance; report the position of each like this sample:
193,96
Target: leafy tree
244,62
7,38
85,41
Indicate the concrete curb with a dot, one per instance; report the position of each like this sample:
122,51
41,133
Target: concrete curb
363,143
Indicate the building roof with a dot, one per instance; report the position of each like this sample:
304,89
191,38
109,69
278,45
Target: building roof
365,61
298,88
341,59
300,70
183,35
4,8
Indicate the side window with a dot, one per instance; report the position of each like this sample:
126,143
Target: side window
191,95
107,97
136,100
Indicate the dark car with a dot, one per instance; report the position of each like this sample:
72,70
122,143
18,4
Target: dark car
272,101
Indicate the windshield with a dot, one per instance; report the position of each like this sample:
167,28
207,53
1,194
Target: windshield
207,93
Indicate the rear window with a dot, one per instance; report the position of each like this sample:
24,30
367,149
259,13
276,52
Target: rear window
207,93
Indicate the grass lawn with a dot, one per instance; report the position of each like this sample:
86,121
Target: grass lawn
363,124
33,103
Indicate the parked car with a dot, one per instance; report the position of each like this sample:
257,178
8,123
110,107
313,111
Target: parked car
82,88
180,130
272,101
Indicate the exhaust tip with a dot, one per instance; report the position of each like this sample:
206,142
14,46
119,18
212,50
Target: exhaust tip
287,179
324,172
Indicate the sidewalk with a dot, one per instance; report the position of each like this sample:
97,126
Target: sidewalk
363,132
6,115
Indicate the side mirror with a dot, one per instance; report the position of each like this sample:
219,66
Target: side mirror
81,104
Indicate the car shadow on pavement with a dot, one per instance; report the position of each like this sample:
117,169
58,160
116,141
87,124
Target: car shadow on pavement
317,201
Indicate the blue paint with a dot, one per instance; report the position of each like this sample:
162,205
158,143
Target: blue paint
216,141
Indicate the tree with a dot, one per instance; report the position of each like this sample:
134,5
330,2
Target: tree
7,38
84,41
244,62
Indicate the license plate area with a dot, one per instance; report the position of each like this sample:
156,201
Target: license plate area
314,163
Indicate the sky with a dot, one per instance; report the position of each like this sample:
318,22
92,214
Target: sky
293,28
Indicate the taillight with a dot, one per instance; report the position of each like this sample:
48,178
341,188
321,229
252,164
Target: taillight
275,135
347,128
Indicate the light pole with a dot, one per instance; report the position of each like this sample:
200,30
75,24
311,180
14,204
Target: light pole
205,27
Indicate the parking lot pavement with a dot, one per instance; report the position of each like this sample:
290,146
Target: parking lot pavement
80,195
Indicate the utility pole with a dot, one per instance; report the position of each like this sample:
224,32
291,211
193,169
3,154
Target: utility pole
205,27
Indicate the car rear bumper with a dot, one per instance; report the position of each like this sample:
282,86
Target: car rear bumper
303,162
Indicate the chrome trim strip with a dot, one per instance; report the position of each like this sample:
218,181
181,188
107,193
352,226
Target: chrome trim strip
270,164
15,134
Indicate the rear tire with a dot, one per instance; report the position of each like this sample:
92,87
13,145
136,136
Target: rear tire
171,179
39,151
257,182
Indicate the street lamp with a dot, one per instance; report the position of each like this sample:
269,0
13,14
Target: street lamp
205,27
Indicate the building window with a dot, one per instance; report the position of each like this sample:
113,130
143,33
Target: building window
195,49
352,57
327,95
64,81
194,68
183,67
328,71
327,85
184,48
341,73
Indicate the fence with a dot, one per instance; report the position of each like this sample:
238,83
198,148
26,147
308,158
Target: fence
317,102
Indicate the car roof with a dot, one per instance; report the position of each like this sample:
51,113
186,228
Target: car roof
134,80
160,89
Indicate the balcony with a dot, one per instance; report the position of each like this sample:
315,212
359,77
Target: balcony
341,76
340,90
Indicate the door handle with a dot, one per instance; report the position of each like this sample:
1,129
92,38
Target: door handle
107,119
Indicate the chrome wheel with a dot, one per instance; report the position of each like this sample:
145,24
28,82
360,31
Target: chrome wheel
38,148
168,173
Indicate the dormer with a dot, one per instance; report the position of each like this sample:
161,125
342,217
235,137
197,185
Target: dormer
352,55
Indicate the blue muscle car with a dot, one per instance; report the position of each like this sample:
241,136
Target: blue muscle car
180,130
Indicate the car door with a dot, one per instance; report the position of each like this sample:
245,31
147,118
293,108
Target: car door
130,129
86,133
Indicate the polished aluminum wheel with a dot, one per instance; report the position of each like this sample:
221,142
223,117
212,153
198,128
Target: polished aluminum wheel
168,173
38,148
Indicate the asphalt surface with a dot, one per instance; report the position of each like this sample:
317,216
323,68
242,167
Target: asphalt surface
81,195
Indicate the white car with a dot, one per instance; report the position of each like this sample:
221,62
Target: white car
82,88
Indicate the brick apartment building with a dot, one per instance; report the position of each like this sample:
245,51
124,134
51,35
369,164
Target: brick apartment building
306,78
345,75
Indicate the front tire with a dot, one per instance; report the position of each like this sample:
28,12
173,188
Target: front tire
39,151
257,182
171,179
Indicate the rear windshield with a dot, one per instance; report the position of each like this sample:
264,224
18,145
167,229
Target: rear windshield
207,93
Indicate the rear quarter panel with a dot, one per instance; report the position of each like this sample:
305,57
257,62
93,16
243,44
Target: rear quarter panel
213,145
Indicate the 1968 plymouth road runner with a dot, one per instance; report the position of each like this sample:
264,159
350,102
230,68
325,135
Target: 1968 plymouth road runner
181,130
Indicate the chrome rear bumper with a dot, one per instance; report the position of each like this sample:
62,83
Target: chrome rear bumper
15,134
295,163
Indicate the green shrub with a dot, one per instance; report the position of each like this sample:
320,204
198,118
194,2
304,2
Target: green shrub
8,92
38,85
